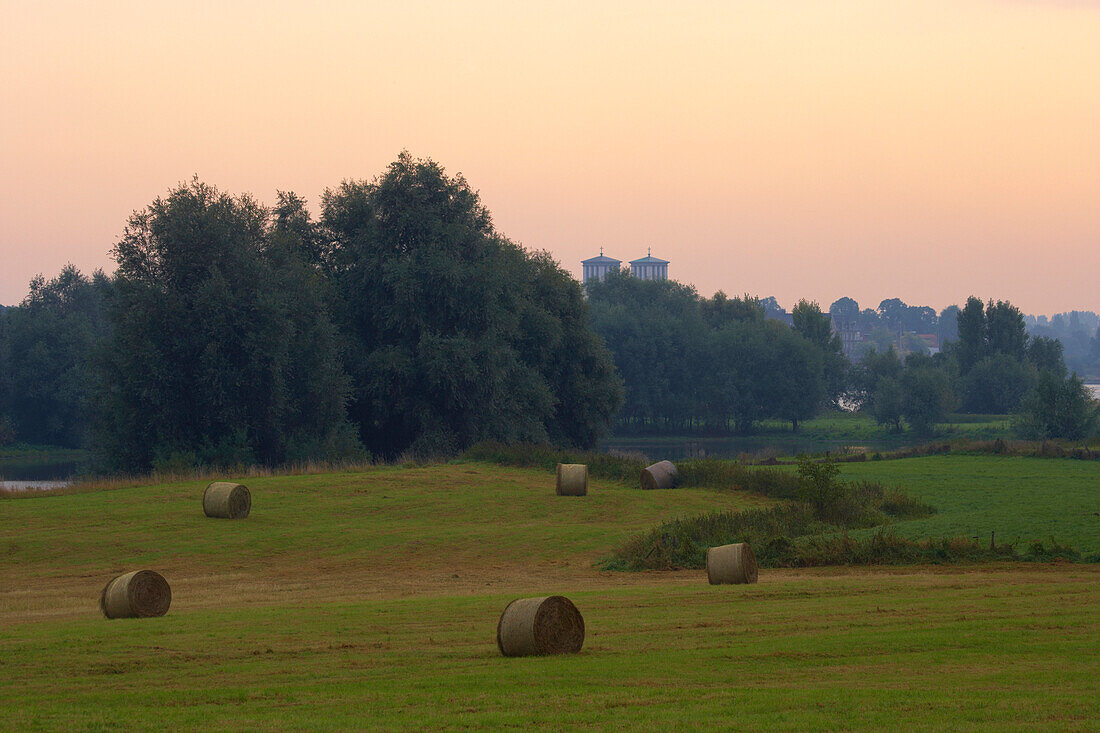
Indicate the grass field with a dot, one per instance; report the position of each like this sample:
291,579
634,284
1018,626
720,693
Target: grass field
370,600
1024,499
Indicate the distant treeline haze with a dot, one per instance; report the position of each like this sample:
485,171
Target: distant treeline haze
400,321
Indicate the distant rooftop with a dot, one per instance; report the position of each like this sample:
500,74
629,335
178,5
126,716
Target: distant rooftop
601,260
649,260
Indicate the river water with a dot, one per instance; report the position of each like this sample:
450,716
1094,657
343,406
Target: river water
1095,390
22,475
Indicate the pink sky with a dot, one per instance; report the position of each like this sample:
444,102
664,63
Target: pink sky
924,150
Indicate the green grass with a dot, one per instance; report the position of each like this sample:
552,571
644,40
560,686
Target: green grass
367,516
1025,499
912,652
370,600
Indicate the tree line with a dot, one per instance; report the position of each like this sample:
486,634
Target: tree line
715,364
993,367
693,364
399,320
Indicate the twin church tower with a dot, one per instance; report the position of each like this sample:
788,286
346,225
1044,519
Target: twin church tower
647,268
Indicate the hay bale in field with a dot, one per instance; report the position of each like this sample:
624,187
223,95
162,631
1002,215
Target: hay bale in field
661,475
140,594
731,564
572,479
226,500
537,626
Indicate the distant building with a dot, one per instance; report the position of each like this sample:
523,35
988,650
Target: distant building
852,340
596,268
649,268
931,342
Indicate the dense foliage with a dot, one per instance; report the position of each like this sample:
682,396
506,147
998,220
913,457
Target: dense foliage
714,363
994,367
454,334
46,350
402,321
221,351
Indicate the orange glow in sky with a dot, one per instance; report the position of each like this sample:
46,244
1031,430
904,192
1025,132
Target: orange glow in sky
925,150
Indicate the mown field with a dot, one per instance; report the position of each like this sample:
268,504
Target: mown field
1021,500
370,600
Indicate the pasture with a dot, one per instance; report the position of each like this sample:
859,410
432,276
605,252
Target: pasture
369,599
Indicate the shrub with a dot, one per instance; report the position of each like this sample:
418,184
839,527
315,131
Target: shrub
682,543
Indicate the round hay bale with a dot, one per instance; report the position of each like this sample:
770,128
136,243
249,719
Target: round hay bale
731,564
661,475
572,479
537,626
140,594
225,500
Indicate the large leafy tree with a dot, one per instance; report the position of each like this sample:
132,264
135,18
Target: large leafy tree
221,350
453,334
927,397
996,384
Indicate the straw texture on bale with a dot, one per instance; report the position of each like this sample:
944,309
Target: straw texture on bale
661,475
572,479
731,564
538,626
226,500
140,594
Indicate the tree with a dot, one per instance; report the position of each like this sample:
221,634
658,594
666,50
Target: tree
817,328
947,325
844,310
971,346
1058,407
796,385
657,334
873,367
892,312
888,402
221,351
996,384
722,309
1045,354
453,333
927,397
48,345
1006,332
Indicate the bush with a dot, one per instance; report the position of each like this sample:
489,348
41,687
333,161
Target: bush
832,500
887,548
1040,553
683,543
719,474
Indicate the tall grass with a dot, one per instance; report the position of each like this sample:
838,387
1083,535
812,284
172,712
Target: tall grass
624,467
84,485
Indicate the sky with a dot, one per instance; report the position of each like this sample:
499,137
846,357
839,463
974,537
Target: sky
924,150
